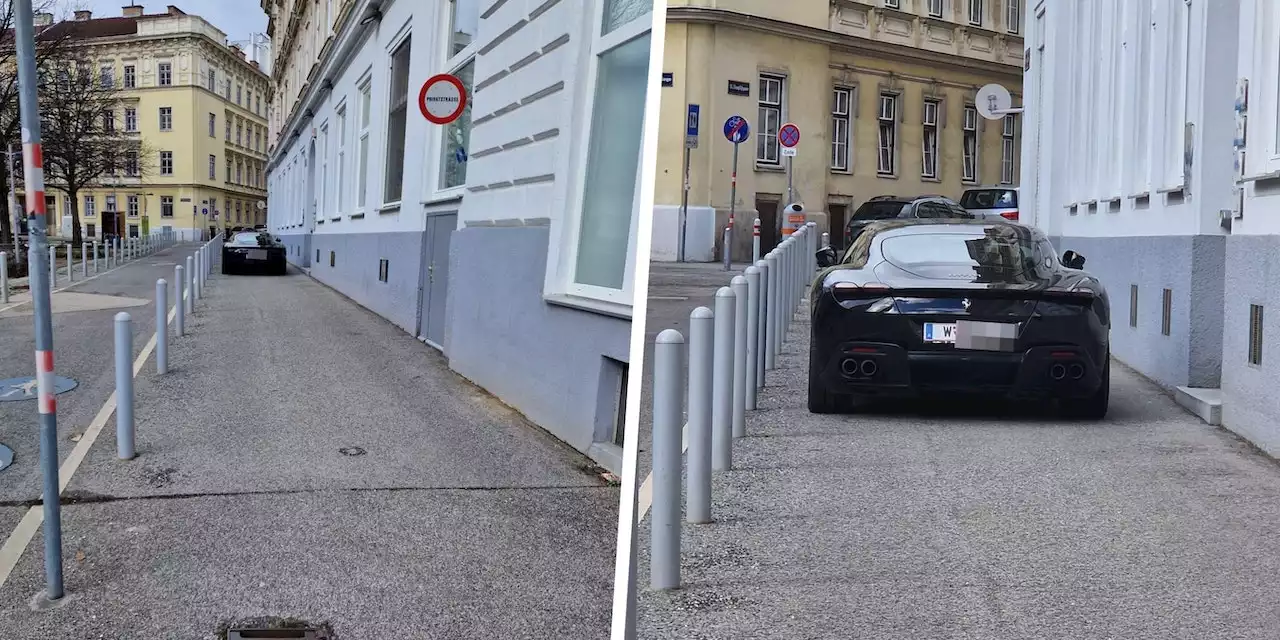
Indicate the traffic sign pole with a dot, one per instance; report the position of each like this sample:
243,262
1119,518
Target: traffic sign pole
690,143
736,130
37,221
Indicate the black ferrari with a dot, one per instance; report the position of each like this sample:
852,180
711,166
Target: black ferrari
254,253
926,307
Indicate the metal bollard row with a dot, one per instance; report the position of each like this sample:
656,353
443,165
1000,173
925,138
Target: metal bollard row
730,350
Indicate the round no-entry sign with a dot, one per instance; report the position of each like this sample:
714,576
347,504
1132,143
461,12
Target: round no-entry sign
442,99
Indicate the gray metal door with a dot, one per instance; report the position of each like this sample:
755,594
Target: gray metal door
435,277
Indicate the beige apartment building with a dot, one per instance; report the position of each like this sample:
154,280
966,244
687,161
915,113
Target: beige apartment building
881,90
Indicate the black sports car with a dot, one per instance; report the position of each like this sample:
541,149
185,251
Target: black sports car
254,252
918,307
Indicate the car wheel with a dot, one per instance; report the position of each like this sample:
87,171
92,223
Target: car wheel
1095,406
821,400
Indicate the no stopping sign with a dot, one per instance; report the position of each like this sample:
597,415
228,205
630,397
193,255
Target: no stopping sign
442,98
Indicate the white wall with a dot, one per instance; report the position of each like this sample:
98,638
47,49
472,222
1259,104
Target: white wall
1259,37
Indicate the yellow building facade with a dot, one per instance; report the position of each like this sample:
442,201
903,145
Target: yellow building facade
200,108
882,92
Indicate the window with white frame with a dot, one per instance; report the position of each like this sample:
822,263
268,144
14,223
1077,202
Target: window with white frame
211,80
213,125
213,166
975,12
397,121
166,163
460,55
969,161
130,119
935,8
110,204
166,74
340,175
166,118
362,157
1008,135
892,4
228,118
166,206
1013,16
602,255
131,163
228,170
324,171
772,94
132,204
90,204
130,76
929,139
841,108
109,121
887,121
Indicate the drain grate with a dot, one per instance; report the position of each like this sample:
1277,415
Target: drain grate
263,634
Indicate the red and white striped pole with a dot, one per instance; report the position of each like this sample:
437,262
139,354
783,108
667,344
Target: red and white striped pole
755,241
37,254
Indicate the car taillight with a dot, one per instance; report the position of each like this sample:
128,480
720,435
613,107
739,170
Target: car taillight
1010,215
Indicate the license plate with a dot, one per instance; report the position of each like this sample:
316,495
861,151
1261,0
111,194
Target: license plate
256,254
940,332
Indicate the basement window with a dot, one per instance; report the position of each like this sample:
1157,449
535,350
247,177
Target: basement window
1255,334
333,258
384,266
1166,312
1133,305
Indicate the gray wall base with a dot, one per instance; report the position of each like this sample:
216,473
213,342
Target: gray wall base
299,248
1250,404
355,271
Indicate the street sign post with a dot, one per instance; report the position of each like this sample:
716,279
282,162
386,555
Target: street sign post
736,130
788,140
690,143
442,99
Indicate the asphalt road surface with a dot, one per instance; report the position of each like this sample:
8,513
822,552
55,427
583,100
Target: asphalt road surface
305,460
981,521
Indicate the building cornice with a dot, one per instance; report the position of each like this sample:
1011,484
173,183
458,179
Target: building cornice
841,42
116,42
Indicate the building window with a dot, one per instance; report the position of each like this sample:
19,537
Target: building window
772,92
1013,15
213,125
1007,149
975,12
460,57
90,206
886,163
935,8
166,74
133,231
166,206
213,167
397,117
229,171
340,176
1255,335
130,76
109,122
110,204
131,163
211,80
239,89
603,251
841,101
929,148
239,132
257,138
257,99
239,172
238,211
166,118
166,163
228,119
130,119
133,206
106,76
324,171
91,231
362,159
969,168
226,89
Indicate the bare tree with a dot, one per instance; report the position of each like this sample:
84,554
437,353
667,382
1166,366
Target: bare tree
84,143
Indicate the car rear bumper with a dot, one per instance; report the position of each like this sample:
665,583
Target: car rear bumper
883,369
237,262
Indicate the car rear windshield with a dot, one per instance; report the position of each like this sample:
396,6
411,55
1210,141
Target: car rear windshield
245,239
993,247
878,210
989,199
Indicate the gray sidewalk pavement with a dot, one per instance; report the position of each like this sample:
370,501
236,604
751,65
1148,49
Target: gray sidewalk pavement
937,522
304,459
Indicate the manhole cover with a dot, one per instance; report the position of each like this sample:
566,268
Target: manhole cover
15,389
6,457
351,451
299,634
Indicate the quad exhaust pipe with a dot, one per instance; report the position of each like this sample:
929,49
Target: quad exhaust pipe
1076,371
1057,372
853,368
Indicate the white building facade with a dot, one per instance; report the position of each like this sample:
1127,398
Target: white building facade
506,239
1152,147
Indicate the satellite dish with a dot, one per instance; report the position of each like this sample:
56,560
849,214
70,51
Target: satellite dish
993,101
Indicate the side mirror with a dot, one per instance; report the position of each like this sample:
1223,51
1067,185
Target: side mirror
1072,260
826,257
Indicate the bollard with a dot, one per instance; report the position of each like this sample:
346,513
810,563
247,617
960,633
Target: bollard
84,258
106,254
722,385
664,534
53,267
4,277
199,279
162,326
770,299
741,317
188,301
753,369
179,321
71,263
728,255
755,241
701,367
124,386
95,256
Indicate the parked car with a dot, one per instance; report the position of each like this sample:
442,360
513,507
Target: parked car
922,307
254,252
991,202
895,207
